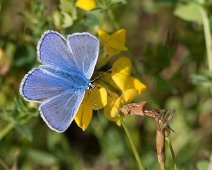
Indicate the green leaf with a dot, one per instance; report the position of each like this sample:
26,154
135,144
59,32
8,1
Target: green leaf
25,131
189,12
67,20
66,5
204,79
91,19
57,17
42,158
6,130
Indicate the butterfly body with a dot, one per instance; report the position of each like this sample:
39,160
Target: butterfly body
74,78
59,83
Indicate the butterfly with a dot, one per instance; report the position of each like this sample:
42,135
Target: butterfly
60,82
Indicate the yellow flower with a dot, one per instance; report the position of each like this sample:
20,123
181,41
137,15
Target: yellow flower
121,80
94,99
115,43
86,5
115,102
105,97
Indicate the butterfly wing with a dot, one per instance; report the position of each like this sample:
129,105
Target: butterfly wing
80,52
60,102
53,50
59,112
85,49
39,86
45,82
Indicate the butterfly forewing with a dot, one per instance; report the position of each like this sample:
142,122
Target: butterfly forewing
85,49
40,86
53,50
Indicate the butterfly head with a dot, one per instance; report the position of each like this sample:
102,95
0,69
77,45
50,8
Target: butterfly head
91,85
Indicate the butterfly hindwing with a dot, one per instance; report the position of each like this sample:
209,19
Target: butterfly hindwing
60,111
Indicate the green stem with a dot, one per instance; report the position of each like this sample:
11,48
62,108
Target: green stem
112,19
172,152
6,130
135,152
137,73
207,33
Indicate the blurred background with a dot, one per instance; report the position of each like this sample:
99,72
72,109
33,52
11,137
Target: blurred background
167,47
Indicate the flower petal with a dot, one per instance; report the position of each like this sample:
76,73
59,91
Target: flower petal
112,107
98,98
121,71
110,50
136,84
115,102
86,5
119,36
128,96
115,43
125,98
122,65
104,37
84,114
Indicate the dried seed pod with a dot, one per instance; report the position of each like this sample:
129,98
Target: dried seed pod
134,109
160,146
162,118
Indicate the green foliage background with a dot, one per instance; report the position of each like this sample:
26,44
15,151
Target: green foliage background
167,47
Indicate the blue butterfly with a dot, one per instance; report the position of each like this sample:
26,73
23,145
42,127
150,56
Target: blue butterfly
59,83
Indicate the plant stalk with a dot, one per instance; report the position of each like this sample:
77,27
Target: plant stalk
207,34
135,152
160,145
4,131
172,152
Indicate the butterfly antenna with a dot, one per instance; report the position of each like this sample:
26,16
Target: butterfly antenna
102,74
94,99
